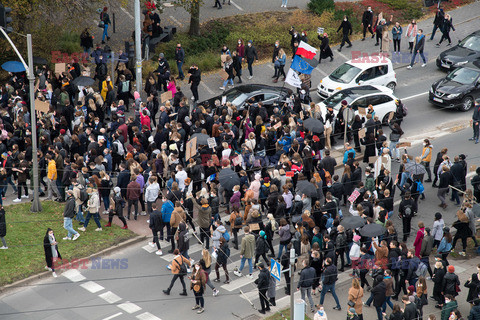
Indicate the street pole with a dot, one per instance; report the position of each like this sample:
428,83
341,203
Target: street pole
292,273
36,206
138,46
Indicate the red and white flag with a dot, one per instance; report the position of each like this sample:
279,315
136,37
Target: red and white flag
305,50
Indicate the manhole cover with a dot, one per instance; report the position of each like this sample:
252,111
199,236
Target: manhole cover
252,317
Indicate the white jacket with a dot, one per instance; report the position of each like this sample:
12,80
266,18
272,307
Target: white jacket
355,251
93,204
151,192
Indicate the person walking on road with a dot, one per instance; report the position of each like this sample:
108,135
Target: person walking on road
105,18
367,22
179,267
325,50
223,252
475,122
355,295
68,214
251,55
411,34
194,80
438,22
307,277
247,251
447,26
156,224
116,208
262,283
237,65
279,64
199,278
330,277
426,158
347,30
93,206
418,49
51,251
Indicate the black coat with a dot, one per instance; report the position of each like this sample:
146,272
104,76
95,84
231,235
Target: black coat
378,293
346,26
263,279
48,250
473,287
325,50
3,225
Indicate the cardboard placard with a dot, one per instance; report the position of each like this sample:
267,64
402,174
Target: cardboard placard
254,226
166,96
224,100
42,106
191,149
223,57
223,75
237,161
212,143
60,67
404,144
355,194
362,111
289,174
277,125
372,159
361,133
390,115
306,107
473,168
320,30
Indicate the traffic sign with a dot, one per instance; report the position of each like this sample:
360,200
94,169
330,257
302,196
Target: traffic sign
275,270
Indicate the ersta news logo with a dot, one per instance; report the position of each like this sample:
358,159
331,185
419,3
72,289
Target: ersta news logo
92,263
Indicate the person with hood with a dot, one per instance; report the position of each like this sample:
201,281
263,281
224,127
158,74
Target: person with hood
223,252
218,232
51,251
247,250
203,220
68,214
449,306
178,216
93,206
261,248
262,283
156,225
450,283
347,29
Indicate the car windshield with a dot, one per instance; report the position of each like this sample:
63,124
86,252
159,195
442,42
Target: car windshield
471,42
463,75
334,100
236,97
345,73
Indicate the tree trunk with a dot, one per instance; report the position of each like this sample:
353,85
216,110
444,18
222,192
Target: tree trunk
195,20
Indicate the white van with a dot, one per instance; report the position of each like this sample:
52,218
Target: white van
351,74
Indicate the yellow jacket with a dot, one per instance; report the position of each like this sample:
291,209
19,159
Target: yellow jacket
428,157
52,170
104,91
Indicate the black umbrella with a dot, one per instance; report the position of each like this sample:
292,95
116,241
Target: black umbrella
39,60
372,230
83,81
415,168
228,178
201,138
313,125
353,222
306,188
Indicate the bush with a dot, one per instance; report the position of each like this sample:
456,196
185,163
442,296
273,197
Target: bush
69,42
319,6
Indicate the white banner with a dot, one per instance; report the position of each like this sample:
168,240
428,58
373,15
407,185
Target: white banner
293,79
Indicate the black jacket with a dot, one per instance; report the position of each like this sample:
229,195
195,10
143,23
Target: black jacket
410,312
378,293
346,26
307,276
195,76
263,279
419,42
476,114
69,210
156,222
179,54
251,53
367,18
330,275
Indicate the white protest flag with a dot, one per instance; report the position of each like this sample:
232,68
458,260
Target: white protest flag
293,79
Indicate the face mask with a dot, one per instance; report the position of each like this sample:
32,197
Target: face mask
239,42
212,195
276,45
370,10
249,44
320,312
424,144
96,122
344,19
303,34
197,267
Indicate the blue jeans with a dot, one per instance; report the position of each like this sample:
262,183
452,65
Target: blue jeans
106,202
388,302
435,27
80,217
455,196
105,32
250,265
414,55
96,218
331,288
185,254
379,313
180,71
369,300
284,2
227,81
280,250
393,149
9,181
1,196
67,225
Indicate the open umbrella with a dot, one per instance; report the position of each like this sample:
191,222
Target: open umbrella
201,138
228,178
313,125
372,230
353,222
83,81
39,60
306,188
13,66
415,168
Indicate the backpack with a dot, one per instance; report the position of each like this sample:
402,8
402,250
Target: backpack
420,187
329,223
421,270
83,195
404,110
183,268
238,221
408,211
226,235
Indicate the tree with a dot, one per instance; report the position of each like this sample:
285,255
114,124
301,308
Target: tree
193,8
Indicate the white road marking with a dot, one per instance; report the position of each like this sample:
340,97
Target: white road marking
176,21
414,96
207,88
147,316
149,249
92,286
240,282
110,297
129,307
113,316
73,275
236,5
342,55
127,13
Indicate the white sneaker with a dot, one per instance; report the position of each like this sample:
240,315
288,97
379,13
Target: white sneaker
98,229
25,196
222,88
159,253
238,274
409,67
151,244
105,212
148,221
192,261
143,213
193,98
423,65
67,238
76,236
17,200
47,268
54,274
215,292
169,267
82,229
250,77
3,248
250,276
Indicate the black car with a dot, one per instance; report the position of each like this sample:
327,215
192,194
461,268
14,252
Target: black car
458,89
467,50
238,96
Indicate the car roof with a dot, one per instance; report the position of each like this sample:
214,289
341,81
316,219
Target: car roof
360,91
472,65
249,88
365,65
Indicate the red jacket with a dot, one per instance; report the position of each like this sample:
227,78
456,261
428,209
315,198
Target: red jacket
133,191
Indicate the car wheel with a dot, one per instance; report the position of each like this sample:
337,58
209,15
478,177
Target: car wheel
385,118
391,86
467,104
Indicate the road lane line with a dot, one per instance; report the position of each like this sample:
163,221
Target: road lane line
342,55
127,13
414,96
110,297
236,5
207,88
176,21
150,249
147,316
113,316
92,286
129,307
239,282
73,275
321,71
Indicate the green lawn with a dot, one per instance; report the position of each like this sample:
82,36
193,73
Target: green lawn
286,315
25,232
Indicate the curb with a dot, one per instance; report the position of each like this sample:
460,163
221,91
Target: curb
47,274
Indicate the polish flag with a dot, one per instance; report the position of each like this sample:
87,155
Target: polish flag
305,50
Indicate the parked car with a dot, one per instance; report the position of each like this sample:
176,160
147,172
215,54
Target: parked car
467,50
380,97
351,74
458,89
238,96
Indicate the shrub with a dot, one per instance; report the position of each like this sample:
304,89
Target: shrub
69,42
319,6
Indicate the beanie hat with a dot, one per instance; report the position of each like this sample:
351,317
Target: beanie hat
62,131
116,189
262,234
356,238
411,288
451,269
352,310
266,180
